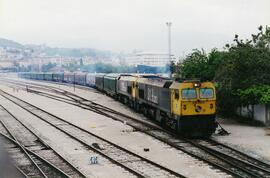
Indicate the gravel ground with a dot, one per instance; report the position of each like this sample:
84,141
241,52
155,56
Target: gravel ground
250,139
70,149
114,131
7,169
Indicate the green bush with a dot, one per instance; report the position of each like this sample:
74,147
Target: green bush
241,71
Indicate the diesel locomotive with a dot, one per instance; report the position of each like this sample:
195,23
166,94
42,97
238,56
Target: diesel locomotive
186,106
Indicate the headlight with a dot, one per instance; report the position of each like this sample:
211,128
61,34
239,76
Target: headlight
197,84
198,108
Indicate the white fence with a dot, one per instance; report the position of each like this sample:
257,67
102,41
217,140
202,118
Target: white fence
257,112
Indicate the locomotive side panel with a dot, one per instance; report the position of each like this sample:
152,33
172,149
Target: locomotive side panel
141,91
126,85
122,87
165,99
152,94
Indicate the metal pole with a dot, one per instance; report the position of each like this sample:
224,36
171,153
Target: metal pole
74,83
169,24
61,64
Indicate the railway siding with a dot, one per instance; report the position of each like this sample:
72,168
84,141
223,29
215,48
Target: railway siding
130,161
72,150
196,151
37,146
93,106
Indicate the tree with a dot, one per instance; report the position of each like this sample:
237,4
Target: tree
200,65
241,71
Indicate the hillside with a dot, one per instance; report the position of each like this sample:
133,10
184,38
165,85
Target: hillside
71,52
10,43
77,52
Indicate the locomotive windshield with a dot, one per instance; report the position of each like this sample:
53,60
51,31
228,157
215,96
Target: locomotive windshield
206,93
189,93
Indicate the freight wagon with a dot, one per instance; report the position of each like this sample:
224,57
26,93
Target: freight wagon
91,79
110,84
99,81
69,77
58,77
80,78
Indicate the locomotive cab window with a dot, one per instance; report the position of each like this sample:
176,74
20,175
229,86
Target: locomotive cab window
189,93
206,93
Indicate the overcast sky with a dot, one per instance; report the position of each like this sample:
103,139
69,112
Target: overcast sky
125,25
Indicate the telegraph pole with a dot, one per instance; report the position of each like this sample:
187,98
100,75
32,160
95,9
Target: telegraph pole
169,24
74,81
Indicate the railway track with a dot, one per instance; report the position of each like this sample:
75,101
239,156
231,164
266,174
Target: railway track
252,166
33,157
220,156
132,162
25,162
76,100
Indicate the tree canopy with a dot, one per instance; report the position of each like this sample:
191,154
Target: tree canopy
241,71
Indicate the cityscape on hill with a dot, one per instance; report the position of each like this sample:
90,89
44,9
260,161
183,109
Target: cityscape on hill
16,57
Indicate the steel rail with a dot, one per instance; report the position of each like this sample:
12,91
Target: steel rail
36,155
216,155
228,159
82,99
90,146
25,150
63,174
239,152
21,172
45,143
246,163
163,140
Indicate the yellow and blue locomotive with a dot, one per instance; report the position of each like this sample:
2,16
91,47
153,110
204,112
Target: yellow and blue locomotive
187,106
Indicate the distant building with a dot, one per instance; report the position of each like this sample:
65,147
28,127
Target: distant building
3,54
149,59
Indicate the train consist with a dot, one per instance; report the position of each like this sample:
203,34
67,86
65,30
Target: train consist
187,106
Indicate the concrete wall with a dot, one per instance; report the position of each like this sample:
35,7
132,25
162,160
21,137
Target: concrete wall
258,112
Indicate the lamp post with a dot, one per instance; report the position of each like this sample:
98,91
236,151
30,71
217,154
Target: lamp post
169,24
74,81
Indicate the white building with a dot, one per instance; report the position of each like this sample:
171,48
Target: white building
259,112
149,59
3,54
